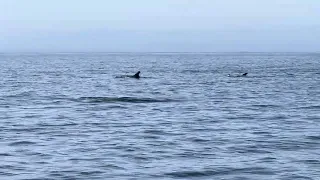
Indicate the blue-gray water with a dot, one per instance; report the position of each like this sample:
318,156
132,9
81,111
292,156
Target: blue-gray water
66,116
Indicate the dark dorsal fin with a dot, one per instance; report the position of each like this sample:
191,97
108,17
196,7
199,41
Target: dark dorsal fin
244,74
137,75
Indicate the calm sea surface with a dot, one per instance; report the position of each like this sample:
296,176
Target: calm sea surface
68,116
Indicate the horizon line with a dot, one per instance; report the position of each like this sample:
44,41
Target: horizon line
128,52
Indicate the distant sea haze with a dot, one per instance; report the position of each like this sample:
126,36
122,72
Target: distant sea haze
189,115
104,40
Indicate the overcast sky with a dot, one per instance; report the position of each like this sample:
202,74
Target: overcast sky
159,25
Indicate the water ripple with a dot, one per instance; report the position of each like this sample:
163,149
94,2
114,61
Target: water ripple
229,171
123,99
65,116
22,143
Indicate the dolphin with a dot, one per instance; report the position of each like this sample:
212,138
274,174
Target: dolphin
136,76
244,74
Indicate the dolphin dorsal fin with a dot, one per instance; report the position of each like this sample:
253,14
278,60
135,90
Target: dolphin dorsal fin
137,75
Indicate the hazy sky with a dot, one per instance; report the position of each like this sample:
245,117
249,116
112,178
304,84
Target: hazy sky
159,25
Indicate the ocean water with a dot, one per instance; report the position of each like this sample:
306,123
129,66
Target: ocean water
190,116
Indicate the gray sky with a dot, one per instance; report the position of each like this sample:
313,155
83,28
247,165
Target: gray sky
159,25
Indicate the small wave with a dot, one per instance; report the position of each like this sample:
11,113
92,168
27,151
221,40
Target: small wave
199,140
21,143
21,94
310,107
116,107
90,173
266,106
313,137
193,174
154,131
122,99
5,154
310,161
36,129
57,125
185,174
192,71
